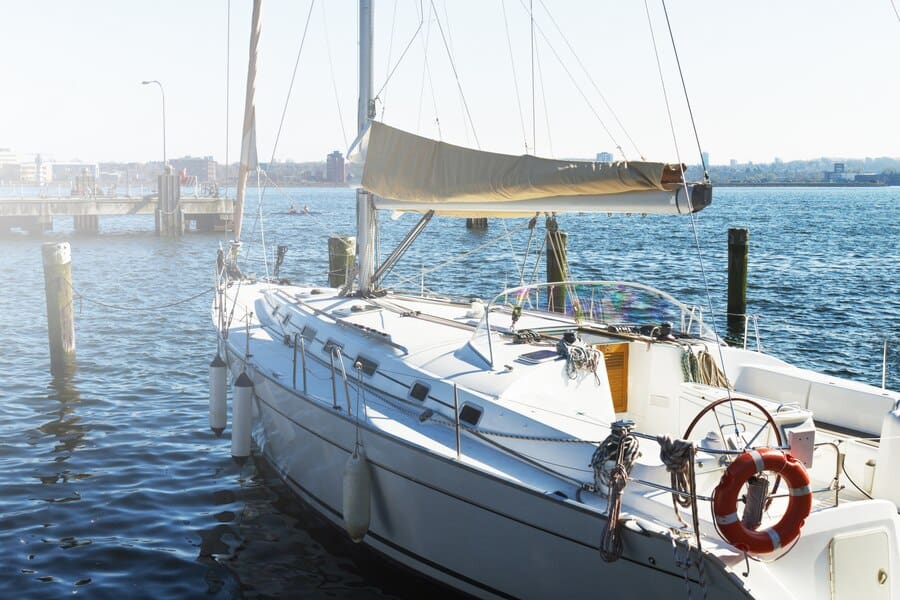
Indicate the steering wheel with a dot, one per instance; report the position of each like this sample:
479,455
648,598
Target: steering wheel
711,407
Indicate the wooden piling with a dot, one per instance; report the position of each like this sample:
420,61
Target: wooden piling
557,262
57,259
738,252
169,215
477,223
341,255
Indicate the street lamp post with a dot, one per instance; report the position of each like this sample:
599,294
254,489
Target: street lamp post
161,91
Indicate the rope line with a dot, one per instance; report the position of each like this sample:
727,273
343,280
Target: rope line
82,297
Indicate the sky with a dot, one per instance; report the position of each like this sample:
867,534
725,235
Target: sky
795,80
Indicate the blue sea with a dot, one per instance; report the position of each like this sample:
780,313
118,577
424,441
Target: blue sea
112,485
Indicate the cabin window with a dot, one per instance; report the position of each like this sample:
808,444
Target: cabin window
367,366
419,391
286,319
308,333
470,414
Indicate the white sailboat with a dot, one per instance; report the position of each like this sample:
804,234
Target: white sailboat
609,444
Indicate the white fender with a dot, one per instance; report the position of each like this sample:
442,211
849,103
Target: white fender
241,418
357,495
218,382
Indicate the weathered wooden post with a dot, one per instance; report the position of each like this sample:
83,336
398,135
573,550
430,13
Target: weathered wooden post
476,223
557,261
738,251
341,254
57,259
169,215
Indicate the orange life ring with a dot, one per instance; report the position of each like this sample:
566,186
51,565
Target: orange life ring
724,501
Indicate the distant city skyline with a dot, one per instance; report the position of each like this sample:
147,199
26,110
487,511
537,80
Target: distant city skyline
797,81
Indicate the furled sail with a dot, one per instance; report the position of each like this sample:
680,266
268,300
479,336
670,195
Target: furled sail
408,172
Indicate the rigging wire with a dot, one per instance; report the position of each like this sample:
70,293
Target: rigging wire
544,102
426,74
578,88
894,6
402,54
337,101
590,78
512,64
390,54
694,226
462,95
531,36
227,86
687,99
461,256
261,191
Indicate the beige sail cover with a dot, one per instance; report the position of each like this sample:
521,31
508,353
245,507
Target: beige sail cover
408,167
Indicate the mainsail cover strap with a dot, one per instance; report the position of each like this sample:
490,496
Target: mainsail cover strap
407,167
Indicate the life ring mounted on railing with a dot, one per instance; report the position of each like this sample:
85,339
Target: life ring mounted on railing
725,497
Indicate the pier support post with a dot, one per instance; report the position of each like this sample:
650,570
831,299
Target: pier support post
476,223
87,223
738,252
169,215
557,262
57,259
341,253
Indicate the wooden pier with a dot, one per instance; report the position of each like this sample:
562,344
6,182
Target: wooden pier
175,217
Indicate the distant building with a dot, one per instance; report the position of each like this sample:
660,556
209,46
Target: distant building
705,156
604,157
204,169
66,172
732,163
334,168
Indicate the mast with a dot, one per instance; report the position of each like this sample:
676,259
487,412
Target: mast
366,217
248,135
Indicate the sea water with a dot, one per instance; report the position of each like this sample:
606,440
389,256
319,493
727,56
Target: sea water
112,485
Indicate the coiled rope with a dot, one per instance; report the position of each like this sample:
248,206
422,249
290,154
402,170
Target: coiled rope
676,455
624,448
703,368
580,357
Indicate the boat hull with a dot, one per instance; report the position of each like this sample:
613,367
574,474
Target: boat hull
455,523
